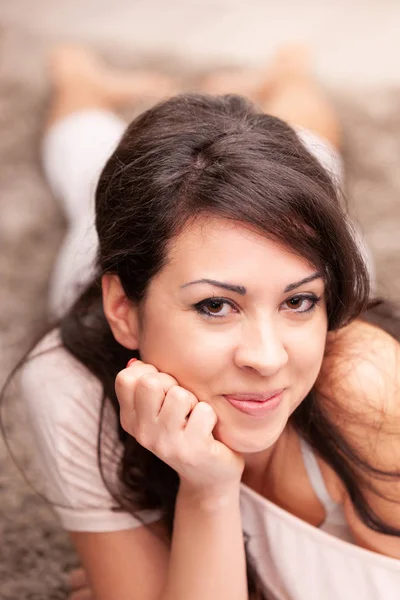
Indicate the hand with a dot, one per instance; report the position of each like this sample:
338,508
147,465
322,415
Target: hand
169,421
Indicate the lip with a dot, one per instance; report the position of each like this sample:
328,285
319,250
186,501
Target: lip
256,405
256,397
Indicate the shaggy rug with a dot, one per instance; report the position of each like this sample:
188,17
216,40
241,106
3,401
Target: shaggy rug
34,552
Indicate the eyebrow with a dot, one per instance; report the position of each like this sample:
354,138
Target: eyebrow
293,286
240,289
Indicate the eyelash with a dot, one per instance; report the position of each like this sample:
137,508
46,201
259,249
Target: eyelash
200,307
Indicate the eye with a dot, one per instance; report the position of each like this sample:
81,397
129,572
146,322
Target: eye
302,303
214,307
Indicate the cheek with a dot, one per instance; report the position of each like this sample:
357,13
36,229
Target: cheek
306,354
187,351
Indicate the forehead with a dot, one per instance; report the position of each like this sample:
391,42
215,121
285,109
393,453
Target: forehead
216,248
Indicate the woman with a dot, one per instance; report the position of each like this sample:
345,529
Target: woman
254,407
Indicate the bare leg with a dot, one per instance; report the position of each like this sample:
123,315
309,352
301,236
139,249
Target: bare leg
79,585
286,90
296,97
81,131
289,91
79,80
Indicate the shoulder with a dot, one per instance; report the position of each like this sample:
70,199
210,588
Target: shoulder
63,401
56,385
52,361
361,370
360,386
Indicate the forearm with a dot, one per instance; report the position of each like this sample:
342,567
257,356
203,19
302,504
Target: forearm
207,554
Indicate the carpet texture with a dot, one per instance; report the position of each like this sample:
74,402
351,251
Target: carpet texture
34,551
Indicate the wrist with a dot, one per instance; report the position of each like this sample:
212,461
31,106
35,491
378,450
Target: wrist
208,499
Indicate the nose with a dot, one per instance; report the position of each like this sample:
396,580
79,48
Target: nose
261,349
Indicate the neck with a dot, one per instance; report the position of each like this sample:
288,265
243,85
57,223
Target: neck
258,471
257,466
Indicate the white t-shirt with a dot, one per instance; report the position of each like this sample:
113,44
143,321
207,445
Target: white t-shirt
63,399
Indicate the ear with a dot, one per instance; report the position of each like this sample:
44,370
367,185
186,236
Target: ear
120,312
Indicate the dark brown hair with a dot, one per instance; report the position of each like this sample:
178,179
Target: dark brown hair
193,156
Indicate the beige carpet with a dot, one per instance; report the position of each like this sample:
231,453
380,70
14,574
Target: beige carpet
34,552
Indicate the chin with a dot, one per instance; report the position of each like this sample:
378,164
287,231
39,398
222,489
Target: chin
245,442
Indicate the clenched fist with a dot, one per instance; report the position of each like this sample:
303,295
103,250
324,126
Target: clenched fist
169,421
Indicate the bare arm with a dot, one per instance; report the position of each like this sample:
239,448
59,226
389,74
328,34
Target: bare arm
207,556
206,559
361,375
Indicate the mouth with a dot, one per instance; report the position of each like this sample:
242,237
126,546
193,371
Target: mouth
256,405
255,397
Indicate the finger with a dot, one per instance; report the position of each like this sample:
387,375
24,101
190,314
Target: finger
127,381
148,398
127,378
176,408
77,578
166,381
144,405
202,420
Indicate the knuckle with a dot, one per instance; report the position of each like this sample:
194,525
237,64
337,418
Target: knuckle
167,380
206,410
148,382
192,400
179,394
120,381
139,368
129,376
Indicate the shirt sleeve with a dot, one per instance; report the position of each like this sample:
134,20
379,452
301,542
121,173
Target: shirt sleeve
63,401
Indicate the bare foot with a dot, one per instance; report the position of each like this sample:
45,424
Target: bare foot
74,67
260,84
290,62
243,82
79,585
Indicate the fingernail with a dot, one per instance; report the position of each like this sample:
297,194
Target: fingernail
131,361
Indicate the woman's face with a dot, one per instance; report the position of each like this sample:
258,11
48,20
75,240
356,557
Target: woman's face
228,316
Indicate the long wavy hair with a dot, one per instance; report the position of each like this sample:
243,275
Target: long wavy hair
196,155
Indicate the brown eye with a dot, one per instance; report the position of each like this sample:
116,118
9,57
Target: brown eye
295,302
301,304
214,306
